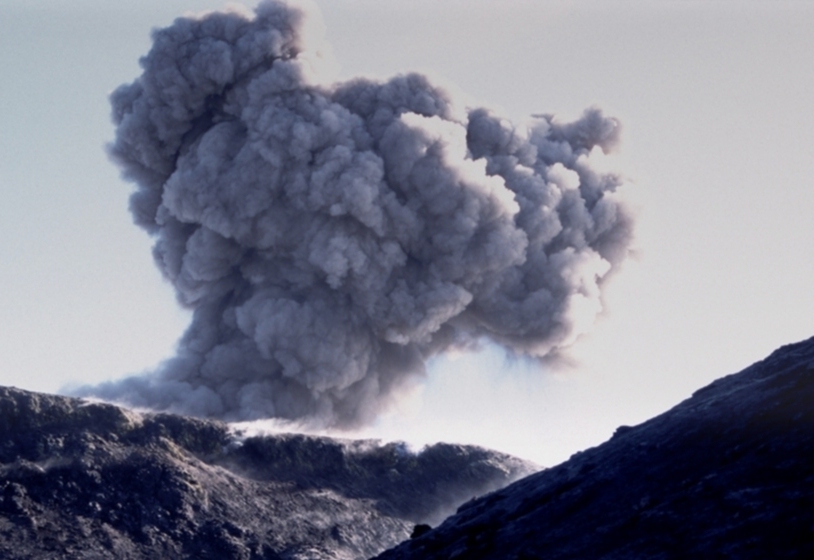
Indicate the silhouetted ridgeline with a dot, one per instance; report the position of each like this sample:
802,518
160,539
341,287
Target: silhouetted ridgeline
728,473
82,480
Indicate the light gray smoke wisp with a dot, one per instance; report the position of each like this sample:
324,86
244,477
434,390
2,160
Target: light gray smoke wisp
330,238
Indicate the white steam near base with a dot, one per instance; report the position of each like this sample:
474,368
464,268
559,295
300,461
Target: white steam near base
329,238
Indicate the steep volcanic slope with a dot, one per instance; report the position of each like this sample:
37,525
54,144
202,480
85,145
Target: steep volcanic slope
728,473
81,480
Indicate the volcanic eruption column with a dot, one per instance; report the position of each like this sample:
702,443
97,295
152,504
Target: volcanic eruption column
330,237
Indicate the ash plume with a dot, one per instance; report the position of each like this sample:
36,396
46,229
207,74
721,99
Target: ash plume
330,237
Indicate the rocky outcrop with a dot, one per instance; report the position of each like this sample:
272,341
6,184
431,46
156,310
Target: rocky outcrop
91,480
728,473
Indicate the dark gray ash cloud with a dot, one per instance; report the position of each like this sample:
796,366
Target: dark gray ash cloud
329,238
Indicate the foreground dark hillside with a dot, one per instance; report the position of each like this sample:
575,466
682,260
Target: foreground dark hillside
728,473
81,480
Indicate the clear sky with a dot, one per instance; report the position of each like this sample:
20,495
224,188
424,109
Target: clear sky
718,138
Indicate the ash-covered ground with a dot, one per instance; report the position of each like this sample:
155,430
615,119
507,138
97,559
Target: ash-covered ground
89,480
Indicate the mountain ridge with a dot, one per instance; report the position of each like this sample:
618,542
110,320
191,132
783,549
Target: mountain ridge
91,480
726,473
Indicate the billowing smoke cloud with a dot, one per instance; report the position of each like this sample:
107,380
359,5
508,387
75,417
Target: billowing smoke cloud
330,238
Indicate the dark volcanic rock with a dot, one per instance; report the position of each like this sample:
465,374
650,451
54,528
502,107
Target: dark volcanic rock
88,480
728,473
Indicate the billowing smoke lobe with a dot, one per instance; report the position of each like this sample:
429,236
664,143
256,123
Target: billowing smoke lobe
330,238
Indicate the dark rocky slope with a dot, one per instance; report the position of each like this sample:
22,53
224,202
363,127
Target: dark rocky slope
728,473
81,480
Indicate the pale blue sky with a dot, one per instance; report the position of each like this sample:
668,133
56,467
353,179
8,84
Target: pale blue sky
719,138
